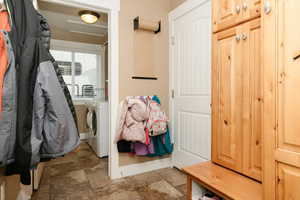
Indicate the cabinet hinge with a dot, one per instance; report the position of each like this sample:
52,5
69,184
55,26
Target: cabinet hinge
173,94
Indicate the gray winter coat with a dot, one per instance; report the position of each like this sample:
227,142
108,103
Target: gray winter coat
54,131
9,113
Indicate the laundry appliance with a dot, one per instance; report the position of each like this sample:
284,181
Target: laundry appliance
98,125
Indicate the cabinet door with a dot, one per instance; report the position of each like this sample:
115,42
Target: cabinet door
227,98
288,108
282,100
252,99
225,13
288,182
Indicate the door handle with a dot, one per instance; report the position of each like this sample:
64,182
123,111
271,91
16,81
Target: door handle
245,6
237,9
296,55
267,7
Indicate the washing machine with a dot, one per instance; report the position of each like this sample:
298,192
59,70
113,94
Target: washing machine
98,125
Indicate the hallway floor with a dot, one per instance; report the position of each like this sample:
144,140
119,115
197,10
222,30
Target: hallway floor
82,176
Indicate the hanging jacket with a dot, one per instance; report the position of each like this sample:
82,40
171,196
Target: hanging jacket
8,116
162,143
133,115
4,25
45,125
46,37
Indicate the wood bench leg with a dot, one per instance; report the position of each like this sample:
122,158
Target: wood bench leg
189,188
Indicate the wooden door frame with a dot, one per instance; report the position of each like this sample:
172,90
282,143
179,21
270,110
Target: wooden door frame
111,7
270,67
177,12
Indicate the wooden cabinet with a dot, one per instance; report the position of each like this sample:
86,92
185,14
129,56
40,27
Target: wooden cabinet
227,13
227,92
252,101
282,100
237,99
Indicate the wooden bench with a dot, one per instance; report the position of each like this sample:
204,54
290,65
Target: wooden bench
223,182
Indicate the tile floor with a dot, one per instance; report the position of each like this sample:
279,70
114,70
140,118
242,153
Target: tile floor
82,176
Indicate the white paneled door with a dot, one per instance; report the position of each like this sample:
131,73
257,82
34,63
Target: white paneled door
190,84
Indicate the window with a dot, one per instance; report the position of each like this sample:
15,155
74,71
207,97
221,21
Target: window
81,72
87,80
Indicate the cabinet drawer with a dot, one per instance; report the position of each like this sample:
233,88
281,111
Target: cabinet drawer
227,13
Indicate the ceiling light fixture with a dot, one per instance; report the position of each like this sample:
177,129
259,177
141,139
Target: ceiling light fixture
88,16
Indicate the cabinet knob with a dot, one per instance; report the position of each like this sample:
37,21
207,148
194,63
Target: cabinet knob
245,6
237,9
267,7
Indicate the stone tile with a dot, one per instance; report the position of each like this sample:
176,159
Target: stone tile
78,176
122,195
72,191
88,162
165,188
71,157
182,189
43,193
149,193
97,176
81,175
173,176
63,168
109,187
145,178
74,183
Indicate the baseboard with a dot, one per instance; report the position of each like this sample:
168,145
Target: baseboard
140,168
84,136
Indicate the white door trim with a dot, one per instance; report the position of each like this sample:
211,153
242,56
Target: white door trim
111,7
139,168
173,15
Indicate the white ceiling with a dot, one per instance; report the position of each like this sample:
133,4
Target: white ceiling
67,19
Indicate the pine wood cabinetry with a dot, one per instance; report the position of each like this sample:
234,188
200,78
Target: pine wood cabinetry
281,49
237,98
253,101
256,93
227,13
227,94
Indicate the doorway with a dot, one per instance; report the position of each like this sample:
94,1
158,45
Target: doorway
109,9
80,50
190,82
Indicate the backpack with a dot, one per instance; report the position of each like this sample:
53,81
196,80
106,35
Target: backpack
157,122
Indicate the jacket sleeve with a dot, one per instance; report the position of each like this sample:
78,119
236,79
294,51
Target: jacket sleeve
54,130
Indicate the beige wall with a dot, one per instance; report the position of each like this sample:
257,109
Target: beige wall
175,3
151,10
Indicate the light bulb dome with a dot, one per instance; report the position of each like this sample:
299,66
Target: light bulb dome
89,17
